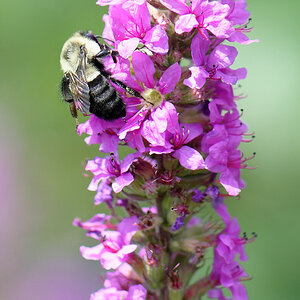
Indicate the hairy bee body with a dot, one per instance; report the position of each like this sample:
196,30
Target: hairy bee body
86,84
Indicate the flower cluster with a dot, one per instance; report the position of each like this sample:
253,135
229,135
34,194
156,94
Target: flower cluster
183,134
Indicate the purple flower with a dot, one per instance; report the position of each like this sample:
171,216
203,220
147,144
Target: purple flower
198,196
226,126
179,223
217,294
166,135
115,247
101,132
238,15
122,278
229,241
226,271
201,14
130,25
154,93
109,293
95,226
212,66
116,2
225,159
111,168
104,193
135,292
212,192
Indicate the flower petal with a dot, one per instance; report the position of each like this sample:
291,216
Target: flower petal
127,228
178,6
126,47
128,160
169,79
186,23
197,79
156,40
143,68
223,56
241,38
137,292
189,158
92,253
199,47
122,181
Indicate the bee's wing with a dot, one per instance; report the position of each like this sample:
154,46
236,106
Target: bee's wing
79,86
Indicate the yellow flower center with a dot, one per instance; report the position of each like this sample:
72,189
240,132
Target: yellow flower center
153,96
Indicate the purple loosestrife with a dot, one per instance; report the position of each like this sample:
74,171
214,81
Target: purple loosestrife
184,134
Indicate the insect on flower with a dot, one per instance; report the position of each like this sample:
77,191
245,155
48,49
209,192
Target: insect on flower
86,84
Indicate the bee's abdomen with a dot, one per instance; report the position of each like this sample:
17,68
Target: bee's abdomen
105,102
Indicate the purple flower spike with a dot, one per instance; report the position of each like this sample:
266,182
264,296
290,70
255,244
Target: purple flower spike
177,149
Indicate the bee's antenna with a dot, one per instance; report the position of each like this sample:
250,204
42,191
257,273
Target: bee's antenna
101,37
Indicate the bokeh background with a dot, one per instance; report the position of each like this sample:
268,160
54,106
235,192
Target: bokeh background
41,184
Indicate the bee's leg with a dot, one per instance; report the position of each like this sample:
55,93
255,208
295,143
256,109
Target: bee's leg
106,51
69,98
126,88
73,111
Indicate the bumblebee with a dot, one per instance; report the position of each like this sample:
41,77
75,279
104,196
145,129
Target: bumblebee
86,85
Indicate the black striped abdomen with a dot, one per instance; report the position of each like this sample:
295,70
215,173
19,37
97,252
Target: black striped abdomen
105,102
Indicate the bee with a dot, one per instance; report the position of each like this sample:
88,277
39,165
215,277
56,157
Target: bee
86,84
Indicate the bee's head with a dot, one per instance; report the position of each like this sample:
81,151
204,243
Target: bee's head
72,49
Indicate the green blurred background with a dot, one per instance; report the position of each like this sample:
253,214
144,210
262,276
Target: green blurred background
42,187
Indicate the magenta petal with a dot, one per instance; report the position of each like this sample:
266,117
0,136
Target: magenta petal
126,47
128,160
92,253
169,79
171,115
232,181
143,68
110,260
109,143
191,130
134,123
128,249
217,294
122,181
136,292
223,29
238,15
241,38
197,79
239,292
178,6
223,56
109,2
189,158
160,119
151,133
222,211
156,40
199,47
127,228
229,75
107,31
186,23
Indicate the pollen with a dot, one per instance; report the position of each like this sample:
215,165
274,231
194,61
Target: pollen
153,96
